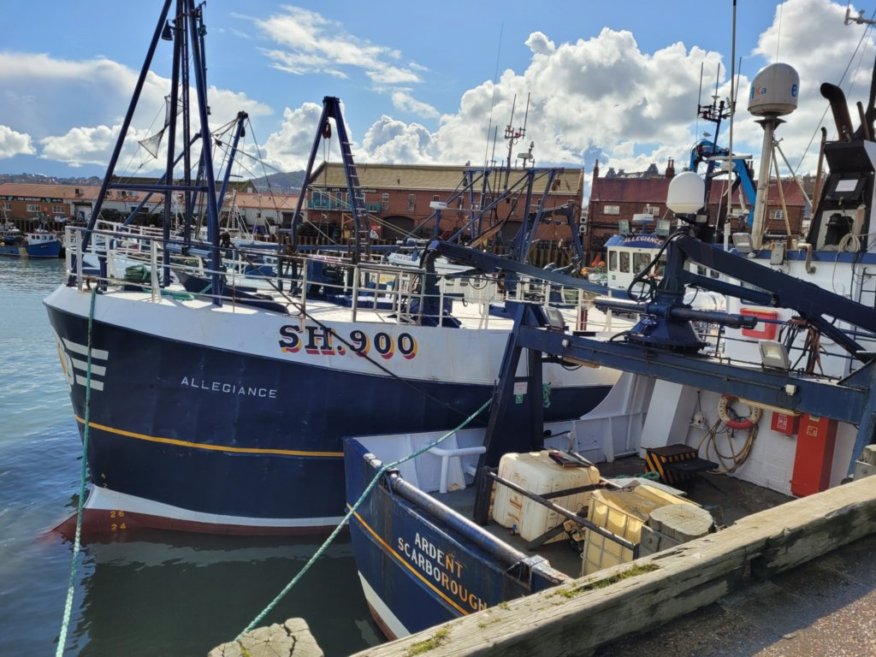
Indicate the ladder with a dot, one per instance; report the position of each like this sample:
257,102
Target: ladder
360,241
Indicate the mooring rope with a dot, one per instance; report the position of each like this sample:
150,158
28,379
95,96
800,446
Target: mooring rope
83,475
337,530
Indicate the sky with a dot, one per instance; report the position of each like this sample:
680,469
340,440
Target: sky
426,82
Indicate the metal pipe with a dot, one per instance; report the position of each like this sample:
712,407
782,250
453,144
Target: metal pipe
763,181
584,522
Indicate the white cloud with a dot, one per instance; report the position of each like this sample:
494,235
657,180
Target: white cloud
80,146
403,101
14,143
43,96
606,95
388,140
289,147
540,45
310,43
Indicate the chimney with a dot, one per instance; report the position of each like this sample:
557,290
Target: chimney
670,168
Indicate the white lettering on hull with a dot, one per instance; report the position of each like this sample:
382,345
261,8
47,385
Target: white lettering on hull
229,388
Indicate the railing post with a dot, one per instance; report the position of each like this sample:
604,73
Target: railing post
355,290
440,303
304,288
78,238
153,270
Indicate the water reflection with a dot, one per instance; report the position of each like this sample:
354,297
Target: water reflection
170,594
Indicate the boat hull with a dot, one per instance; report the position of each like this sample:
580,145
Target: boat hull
421,565
48,249
212,420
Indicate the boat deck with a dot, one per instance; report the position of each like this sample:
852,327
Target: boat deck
727,498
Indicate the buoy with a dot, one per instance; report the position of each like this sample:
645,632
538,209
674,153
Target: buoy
735,421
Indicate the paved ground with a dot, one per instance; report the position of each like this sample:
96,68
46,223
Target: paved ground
826,608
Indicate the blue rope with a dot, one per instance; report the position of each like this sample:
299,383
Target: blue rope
83,475
337,530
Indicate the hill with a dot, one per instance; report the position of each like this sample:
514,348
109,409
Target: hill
284,183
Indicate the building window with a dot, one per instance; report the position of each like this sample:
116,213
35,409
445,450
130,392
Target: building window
319,200
653,210
58,209
412,202
778,214
33,208
384,201
611,209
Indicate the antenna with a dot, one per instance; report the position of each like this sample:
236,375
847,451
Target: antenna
513,135
859,19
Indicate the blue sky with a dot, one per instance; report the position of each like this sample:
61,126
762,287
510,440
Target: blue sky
419,81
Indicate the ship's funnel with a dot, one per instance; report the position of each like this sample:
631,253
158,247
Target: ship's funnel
840,109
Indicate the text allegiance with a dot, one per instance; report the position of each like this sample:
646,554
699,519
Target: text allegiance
229,388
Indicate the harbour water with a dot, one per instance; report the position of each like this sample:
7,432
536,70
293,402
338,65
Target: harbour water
160,593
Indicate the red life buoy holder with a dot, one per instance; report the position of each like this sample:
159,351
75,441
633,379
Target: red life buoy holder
734,421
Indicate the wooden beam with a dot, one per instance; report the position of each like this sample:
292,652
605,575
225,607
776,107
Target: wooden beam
575,618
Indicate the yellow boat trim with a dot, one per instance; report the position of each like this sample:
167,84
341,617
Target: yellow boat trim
215,448
404,563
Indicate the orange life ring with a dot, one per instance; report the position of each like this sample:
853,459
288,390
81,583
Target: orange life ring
734,421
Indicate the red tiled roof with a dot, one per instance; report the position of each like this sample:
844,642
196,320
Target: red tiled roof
37,190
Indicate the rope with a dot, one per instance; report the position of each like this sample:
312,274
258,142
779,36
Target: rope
83,475
337,530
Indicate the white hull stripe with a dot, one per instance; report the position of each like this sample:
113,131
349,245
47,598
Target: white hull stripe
382,610
76,348
96,370
95,384
109,500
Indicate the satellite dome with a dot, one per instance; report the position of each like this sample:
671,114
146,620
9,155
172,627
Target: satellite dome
774,91
686,194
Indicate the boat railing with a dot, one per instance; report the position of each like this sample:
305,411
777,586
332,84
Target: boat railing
131,256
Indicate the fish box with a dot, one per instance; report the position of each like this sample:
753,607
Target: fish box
539,474
622,512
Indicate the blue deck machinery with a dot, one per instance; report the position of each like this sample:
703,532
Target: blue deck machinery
665,346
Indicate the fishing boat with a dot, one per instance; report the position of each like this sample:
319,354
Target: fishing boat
38,243
221,406
437,524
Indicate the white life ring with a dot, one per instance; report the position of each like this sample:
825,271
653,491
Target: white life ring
734,421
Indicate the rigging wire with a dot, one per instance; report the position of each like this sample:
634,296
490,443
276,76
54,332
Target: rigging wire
83,476
827,107
352,510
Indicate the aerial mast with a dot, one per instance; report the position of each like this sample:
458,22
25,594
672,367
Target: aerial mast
513,135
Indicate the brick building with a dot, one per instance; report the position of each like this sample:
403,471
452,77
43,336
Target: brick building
30,203
401,199
620,197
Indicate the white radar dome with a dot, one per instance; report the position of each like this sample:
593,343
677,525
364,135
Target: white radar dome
686,194
774,91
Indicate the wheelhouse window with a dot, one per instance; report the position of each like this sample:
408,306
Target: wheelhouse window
612,261
640,261
625,263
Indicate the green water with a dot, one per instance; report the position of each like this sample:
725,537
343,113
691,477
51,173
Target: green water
156,593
